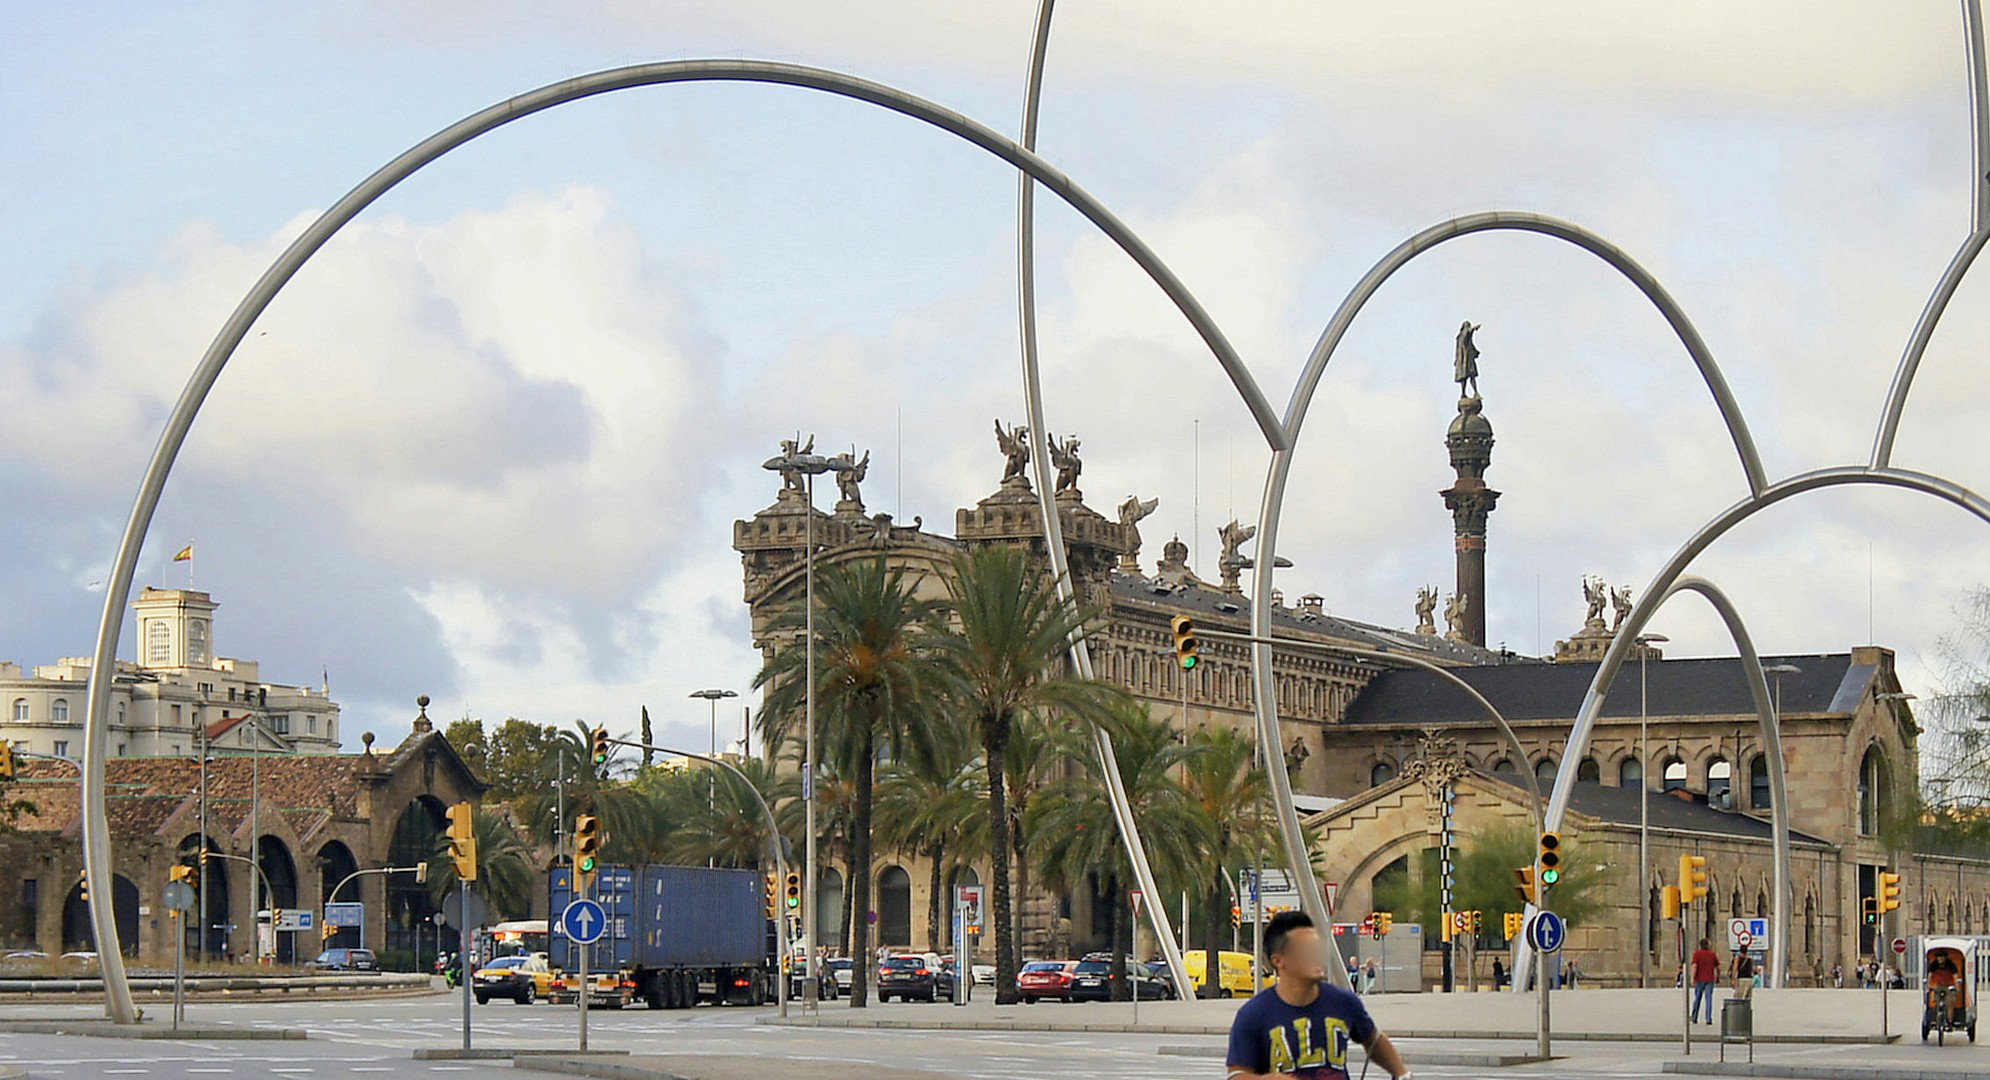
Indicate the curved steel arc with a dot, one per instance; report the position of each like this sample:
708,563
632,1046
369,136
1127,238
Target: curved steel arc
1273,503
1053,526
96,835
1972,245
1505,220
1661,585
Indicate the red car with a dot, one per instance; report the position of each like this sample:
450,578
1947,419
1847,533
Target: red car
1046,979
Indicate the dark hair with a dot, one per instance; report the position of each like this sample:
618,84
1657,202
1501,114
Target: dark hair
1279,926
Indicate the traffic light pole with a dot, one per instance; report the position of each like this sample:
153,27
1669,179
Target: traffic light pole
463,953
774,847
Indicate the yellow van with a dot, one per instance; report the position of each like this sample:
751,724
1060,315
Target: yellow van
1234,968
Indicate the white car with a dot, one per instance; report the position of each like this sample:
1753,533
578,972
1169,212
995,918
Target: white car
984,974
841,967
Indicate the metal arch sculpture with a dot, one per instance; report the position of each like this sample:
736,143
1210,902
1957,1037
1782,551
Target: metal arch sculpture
96,832
1270,510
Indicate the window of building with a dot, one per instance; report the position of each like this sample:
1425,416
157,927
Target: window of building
120,712
1544,771
1758,783
1720,776
231,693
1872,781
62,748
1504,767
196,642
158,642
1631,772
1382,773
120,749
280,723
176,750
1674,776
58,710
20,710
176,716
310,725
1589,771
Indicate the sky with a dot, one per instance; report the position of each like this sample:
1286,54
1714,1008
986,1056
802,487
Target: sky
488,443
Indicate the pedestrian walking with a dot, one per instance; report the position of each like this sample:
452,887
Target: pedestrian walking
1302,1025
1370,974
1573,973
1838,975
1498,973
1706,974
1744,975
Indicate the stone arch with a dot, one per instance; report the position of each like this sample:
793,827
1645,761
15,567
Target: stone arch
417,833
78,935
209,938
279,875
1589,771
1546,768
895,907
1381,771
1673,772
335,863
1873,784
829,901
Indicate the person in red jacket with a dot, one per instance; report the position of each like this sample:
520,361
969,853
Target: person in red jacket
1706,975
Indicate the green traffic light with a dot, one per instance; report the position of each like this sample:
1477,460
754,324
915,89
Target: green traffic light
587,865
1188,662
1550,876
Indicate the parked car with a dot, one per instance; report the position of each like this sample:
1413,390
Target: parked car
25,954
344,960
825,988
1092,980
1233,972
842,968
907,978
523,979
1042,979
983,974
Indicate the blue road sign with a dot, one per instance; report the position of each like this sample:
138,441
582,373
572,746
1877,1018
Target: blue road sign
1546,931
346,914
583,922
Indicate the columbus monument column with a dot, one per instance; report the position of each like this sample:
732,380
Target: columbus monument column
1470,441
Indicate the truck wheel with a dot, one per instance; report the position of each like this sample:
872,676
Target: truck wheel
688,989
653,995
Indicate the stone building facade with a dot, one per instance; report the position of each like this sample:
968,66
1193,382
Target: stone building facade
307,821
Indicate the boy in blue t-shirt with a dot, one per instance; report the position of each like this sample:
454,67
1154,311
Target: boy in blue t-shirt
1302,1026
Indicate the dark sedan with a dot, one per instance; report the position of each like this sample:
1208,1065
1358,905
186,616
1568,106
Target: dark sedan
345,960
907,978
1093,980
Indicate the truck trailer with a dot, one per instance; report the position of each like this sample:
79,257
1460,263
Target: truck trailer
675,936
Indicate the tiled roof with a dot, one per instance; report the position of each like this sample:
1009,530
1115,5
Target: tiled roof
1713,686
146,794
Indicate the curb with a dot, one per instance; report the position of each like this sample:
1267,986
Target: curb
501,1054
1816,1072
105,1029
605,1070
1224,1030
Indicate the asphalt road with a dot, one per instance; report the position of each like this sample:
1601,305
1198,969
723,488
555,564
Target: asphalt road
370,1039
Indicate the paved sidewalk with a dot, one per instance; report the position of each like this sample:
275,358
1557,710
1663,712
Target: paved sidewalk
1806,1016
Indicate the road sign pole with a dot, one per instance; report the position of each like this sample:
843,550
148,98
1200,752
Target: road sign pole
463,954
584,949
179,969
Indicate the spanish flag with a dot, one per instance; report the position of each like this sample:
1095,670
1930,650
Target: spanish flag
185,555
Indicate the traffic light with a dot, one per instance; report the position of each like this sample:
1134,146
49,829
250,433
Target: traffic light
1889,891
773,902
83,887
328,931
1668,902
1186,643
1383,921
179,872
1447,927
599,741
1523,884
1551,858
587,847
6,761
1475,921
1515,922
1692,879
794,892
1870,908
421,872
1236,916
463,841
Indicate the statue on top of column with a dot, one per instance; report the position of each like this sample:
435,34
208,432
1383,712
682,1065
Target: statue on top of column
1426,609
1015,445
1065,456
1465,364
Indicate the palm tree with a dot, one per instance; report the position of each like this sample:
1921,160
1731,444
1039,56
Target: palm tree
934,810
505,873
1078,836
716,817
1005,646
1226,784
875,690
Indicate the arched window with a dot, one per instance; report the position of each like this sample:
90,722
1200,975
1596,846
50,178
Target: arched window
1544,771
895,907
20,710
58,710
1809,925
1631,772
1761,905
1734,903
1674,776
1382,773
1505,767
1758,783
1720,777
1589,771
1872,793
158,642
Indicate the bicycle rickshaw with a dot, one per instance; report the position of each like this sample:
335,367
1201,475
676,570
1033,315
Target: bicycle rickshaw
1951,975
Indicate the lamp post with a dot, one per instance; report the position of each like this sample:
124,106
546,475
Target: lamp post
419,870
1644,808
809,466
713,697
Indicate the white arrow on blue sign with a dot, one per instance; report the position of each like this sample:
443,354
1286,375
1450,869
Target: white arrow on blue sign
583,922
1545,931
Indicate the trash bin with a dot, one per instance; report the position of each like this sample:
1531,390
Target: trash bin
1738,1025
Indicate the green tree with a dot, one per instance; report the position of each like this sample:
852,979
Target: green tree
1228,788
876,687
1078,837
715,817
1006,645
1483,881
934,809
505,870
467,737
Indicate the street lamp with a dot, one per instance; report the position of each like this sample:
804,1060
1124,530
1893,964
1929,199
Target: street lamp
1644,641
809,466
714,696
